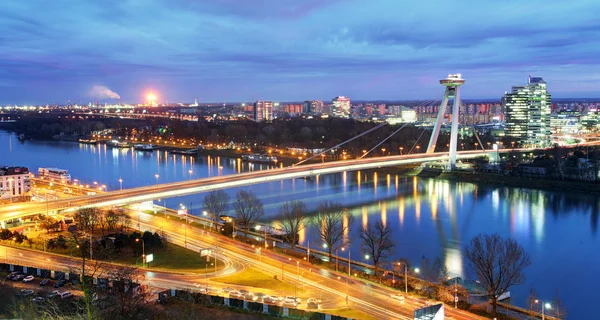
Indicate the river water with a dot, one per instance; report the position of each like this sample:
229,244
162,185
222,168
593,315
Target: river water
429,217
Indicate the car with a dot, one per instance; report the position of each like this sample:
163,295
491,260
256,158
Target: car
66,294
212,290
259,296
53,294
28,278
27,292
235,294
60,283
44,282
271,299
244,291
312,303
38,299
18,277
290,301
399,297
12,275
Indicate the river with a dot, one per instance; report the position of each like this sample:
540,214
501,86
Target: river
429,217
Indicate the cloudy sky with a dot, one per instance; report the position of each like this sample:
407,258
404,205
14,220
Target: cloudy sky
240,50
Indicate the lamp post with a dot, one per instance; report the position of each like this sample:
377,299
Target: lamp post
121,183
297,278
405,275
190,172
143,252
185,235
71,254
346,290
156,176
544,306
349,265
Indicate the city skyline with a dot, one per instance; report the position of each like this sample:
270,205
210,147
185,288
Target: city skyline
285,51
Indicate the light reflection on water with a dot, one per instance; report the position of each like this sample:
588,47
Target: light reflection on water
429,217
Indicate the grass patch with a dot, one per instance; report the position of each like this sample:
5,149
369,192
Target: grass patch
253,278
176,258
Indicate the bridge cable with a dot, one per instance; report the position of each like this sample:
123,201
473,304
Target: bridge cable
342,143
424,103
382,141
473,127
419,138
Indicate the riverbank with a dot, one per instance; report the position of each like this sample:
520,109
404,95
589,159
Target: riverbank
521,182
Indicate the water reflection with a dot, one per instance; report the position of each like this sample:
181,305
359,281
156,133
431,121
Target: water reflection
429,217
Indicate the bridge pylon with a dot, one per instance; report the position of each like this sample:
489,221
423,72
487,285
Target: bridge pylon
452,84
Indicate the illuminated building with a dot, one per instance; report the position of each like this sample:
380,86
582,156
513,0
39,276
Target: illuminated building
341,106
528,111
293,108
14,182
263,111
565,122
314,106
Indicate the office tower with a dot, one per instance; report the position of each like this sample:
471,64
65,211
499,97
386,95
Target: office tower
528,111
341,106
263,111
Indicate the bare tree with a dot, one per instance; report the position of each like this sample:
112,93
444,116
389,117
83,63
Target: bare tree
498,263
377,242
216,202
558,308
127,300
88,269
532,298
248,208
87,219
434,272
292,217
330,225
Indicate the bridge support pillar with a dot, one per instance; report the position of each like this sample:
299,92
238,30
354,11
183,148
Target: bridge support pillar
454,131
438,124
452,84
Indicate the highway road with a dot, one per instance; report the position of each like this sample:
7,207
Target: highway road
175,189
368,297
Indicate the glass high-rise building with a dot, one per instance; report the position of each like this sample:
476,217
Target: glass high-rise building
527,112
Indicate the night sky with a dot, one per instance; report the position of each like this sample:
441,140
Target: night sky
292,50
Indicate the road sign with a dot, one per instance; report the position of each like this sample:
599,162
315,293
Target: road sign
204,252
455,299
149,258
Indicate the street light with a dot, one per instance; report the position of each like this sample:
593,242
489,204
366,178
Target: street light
349,266
156,176
346,291
185,236
405,275
544,306
71,254
143,251
121,183
190,172
297,278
